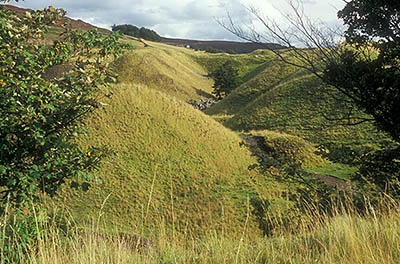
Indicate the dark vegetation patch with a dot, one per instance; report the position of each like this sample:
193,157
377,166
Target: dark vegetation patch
136,32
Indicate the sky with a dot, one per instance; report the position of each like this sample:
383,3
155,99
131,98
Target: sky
190,19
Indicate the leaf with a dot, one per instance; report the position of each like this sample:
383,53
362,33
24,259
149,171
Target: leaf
3,169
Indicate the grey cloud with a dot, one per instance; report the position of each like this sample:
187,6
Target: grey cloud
174,18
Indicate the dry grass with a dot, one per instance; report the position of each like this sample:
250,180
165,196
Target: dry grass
344,238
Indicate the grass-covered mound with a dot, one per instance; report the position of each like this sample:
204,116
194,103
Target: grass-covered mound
289,147
171,70
246,65
170,165
297,106
261,79
283,98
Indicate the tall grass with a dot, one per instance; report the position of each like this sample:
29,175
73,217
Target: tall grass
346,237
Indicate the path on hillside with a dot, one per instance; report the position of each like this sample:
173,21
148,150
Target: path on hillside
339,184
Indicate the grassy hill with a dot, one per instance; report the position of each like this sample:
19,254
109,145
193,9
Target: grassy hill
167,69
174,166
170,165
280,97
175,175
270,72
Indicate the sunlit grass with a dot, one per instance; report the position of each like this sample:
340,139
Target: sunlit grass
345,237
168,162
167,69
341,171
291,147
179,178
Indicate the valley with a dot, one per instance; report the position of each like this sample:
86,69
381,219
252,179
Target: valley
265,175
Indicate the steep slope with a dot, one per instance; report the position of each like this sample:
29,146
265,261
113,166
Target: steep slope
283,98
263,78
297,107
170,166
287,148
171,70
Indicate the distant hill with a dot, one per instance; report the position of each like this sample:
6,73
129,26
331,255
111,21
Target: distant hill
215,46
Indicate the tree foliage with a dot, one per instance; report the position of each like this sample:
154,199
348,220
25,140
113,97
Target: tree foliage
362,62
369,74
365,68
372,20
136,32
40,113
226,79
369,71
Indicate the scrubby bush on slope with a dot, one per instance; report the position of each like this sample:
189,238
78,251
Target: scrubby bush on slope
39,116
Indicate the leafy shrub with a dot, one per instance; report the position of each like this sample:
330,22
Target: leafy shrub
40,117
380,172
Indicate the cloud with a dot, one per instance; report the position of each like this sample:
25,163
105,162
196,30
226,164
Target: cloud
176,18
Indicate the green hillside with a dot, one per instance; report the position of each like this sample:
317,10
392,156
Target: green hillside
268,73
289,148
260,177
168,69
170,165
280,97
173,166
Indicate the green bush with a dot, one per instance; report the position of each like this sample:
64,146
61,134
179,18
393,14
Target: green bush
226,78
40,117
136,32
380,172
